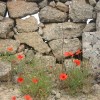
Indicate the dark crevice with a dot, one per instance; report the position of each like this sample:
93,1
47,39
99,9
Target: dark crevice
87,1
97,0
4,0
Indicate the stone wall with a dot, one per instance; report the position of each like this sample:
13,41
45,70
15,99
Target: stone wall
63,25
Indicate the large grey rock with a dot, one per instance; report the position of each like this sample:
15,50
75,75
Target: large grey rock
98,22
5,71
68,29
59,46
6,26
18,9
41,61
2,8
80,11
27,25
34,40
50,14
91,47
4,44
90,27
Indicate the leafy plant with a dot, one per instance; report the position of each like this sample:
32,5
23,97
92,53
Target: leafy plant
76,80
38,88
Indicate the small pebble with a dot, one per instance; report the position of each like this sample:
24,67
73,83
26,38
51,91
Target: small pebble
53,92
57,96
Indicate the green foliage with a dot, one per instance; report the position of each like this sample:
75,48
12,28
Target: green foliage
76,79
7,57
39,90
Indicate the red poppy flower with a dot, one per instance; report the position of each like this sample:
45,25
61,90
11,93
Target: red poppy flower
35,80
78,52
10,49
20,80
20,56
50,66
13,98
77,62
27,97
63,76
67,54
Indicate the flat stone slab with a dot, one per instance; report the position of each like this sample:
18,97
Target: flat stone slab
18,9
27,25
34,40
50,14
59,30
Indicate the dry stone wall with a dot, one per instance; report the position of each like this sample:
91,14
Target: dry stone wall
62,22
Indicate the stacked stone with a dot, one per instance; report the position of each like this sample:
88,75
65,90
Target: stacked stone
62,25
91,38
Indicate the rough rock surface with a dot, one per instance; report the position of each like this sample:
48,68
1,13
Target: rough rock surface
1,18
68,29
21,48
97,7
18,9
98,22
11,91
6,26
97,76
52,4
44,61
27,25
91,47
62,7
4,44
34,40
50,14
5,69
43,3
29,55
10,34
2,8
80,11
91,27
92,2
59,46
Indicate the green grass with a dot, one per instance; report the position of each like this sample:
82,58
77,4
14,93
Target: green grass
76,79
40,90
